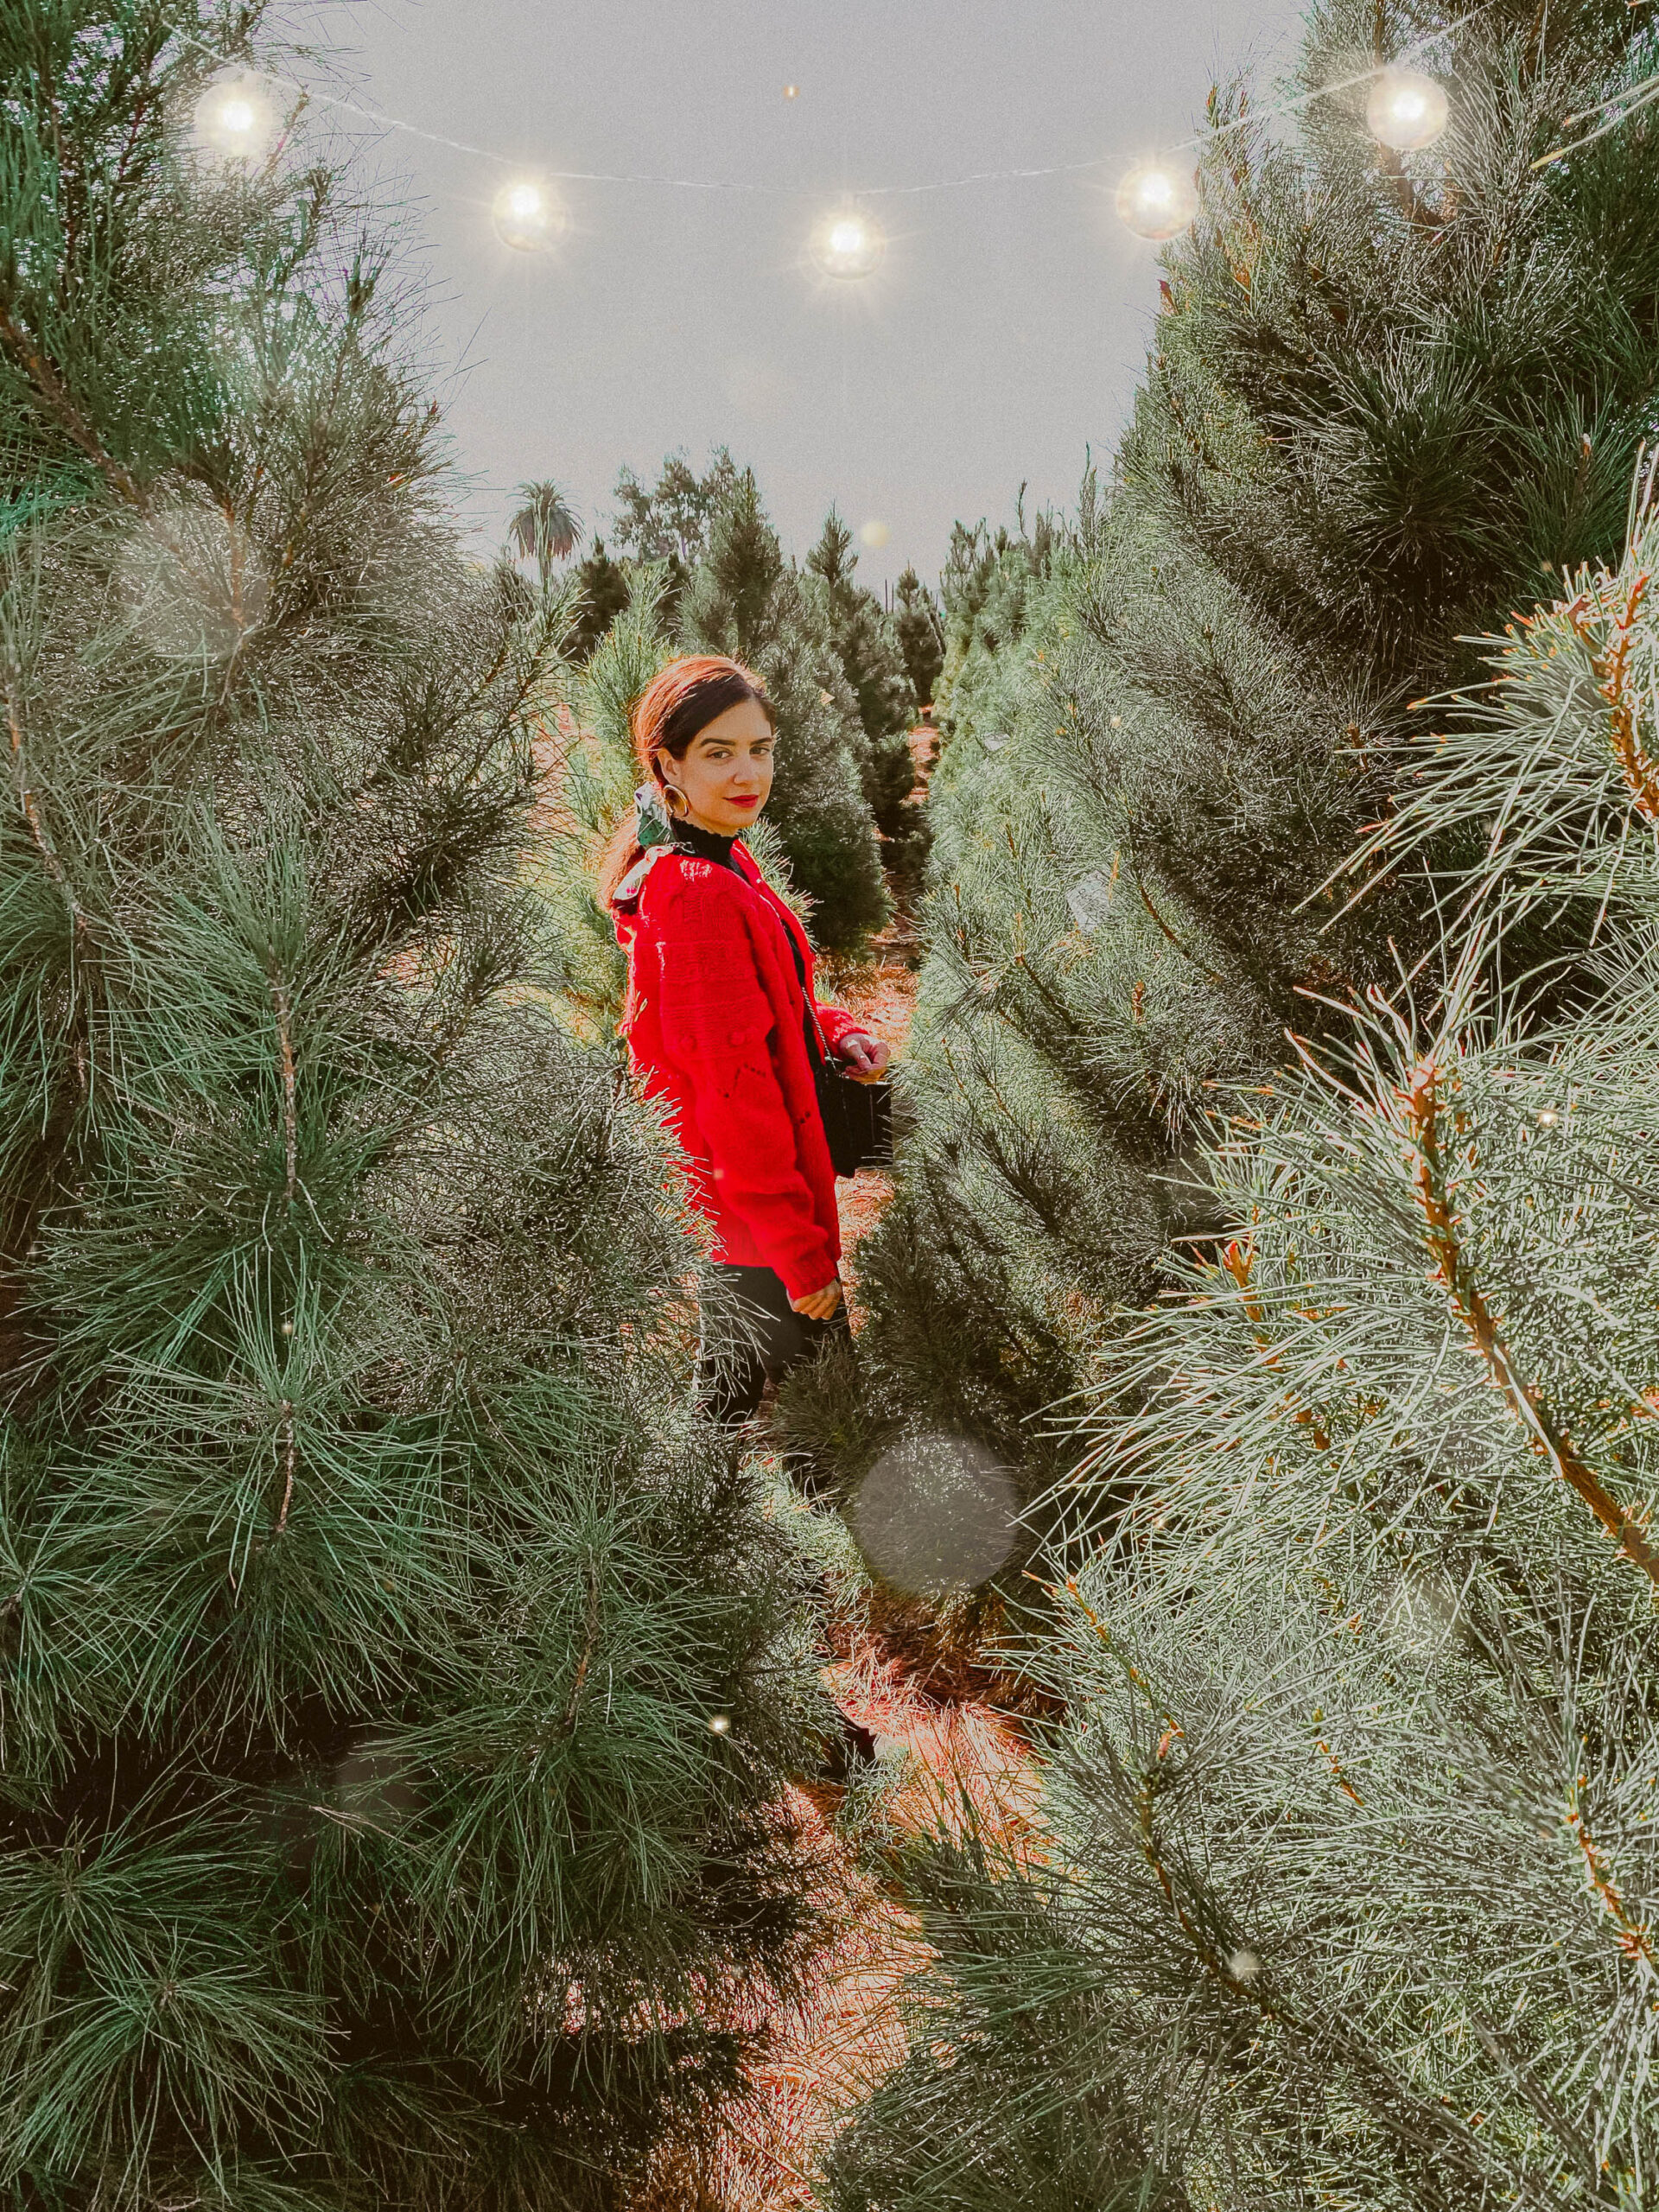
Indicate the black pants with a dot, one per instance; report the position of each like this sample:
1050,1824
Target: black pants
750,1336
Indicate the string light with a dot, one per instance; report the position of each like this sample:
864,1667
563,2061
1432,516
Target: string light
847,244
1158,199
1407,110
236,118
527,216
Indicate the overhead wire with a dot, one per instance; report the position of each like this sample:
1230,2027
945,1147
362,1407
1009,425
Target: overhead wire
1253,116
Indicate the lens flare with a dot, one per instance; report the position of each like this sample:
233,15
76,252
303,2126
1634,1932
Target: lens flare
373,1788
236,119
1158,199
848,245
1407,110
528,217
874,535
192,583
937,1513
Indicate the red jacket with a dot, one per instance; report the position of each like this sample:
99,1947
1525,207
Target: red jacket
714,1025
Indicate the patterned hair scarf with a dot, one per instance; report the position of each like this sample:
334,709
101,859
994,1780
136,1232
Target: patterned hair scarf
654,827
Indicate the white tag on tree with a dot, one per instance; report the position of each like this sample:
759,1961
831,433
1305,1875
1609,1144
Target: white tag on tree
1088,899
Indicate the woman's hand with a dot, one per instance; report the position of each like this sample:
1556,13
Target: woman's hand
866,1056
821,1305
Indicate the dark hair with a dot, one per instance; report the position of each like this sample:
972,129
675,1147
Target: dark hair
675,707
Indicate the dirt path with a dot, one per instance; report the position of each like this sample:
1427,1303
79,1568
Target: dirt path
821,2054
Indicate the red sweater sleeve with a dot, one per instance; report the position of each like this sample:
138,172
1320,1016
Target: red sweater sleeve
716,1022
836,1023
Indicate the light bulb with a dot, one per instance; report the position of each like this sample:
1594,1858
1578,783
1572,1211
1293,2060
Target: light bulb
1157,200
1405,110
847,244
235,119
528,217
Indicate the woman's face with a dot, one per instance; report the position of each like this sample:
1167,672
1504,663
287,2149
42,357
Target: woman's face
727,772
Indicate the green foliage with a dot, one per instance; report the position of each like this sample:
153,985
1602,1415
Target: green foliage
546,527
745,598
602,594
667,523
1546,779
366,1585
1351,1864
1014,2094
920,634
589,799
986,576
870,659
1386,395
866,644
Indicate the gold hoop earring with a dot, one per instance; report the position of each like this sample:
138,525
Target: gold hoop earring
671,793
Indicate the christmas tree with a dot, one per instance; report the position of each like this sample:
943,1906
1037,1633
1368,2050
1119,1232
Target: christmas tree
1389,395
602,595
920,634
745,599
866,644
1351,1866
396,1677
589,794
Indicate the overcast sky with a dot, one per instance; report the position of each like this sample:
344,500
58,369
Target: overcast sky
1002,335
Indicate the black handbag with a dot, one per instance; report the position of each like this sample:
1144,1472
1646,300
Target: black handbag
857,1116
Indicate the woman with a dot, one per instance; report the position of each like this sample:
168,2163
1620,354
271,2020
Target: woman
722,1026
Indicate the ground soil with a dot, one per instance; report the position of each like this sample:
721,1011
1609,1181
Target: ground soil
941,1733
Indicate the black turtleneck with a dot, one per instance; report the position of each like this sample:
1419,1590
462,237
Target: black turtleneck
703,844
709,845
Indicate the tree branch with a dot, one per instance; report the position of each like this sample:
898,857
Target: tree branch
1421,1127
68,417
1611,670
290,1087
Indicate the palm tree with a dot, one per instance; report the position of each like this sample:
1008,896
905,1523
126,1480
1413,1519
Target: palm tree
546,525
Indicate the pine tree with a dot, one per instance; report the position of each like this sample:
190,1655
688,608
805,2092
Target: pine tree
1351,1866
1388,394
920,634
745,599
602,594
870,659
395,1678
866,644
587,795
